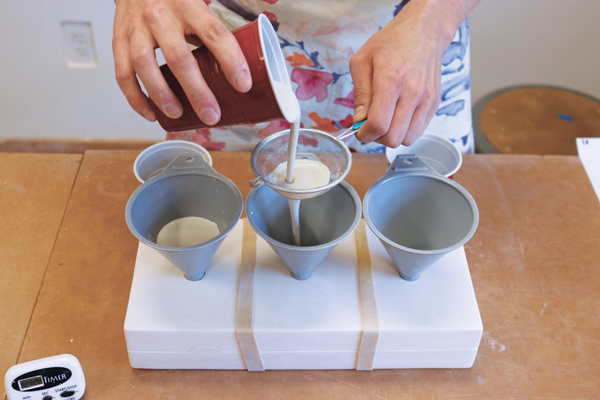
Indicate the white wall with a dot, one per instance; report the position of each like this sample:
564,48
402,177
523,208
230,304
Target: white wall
535,42
514,42
40,97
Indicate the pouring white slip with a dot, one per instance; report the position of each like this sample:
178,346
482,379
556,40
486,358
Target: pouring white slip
314,148
308,174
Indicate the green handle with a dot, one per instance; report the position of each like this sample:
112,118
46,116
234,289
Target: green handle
357,125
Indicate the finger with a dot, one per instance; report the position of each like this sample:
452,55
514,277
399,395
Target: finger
406,128
362,75
435,100
127,81
423,115
424,112
383,106
401,119
144,63
184,66
223,45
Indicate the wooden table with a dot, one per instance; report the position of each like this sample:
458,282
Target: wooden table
67,263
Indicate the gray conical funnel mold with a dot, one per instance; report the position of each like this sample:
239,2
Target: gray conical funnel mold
189,186
325,221
419,215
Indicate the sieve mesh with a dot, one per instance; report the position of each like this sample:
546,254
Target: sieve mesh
312,145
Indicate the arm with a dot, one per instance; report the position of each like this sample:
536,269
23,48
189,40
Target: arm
397,72
141,26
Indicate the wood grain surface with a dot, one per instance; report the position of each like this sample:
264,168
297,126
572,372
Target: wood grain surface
34,191
535,264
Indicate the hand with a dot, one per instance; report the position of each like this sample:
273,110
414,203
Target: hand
397,72
141,26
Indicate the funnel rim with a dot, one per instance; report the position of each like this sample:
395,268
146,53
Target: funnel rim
335,242
228,182
438,140
470,200
159,148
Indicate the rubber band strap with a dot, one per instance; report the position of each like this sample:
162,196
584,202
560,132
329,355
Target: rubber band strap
245,304
370,334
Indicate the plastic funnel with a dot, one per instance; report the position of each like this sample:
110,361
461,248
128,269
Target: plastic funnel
187,187
325,221
153,160
419,215
436,151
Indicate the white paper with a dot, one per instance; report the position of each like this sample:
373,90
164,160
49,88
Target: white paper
589,153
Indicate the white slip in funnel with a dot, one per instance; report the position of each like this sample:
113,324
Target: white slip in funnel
188,187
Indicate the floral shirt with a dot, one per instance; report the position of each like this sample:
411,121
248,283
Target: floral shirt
317,38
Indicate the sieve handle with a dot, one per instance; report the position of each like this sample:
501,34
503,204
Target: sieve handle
352,130
408,163
256,182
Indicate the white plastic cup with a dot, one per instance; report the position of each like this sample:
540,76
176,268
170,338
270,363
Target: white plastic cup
271,97
434,150
153,160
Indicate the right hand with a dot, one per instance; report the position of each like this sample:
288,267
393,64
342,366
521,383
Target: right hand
141,26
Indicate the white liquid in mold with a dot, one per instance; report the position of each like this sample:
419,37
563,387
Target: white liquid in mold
187,231
308,174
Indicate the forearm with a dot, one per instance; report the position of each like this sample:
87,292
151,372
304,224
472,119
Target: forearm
441,17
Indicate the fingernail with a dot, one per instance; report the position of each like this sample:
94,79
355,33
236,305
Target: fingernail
358,113
173,110
148,114
209,116
243,81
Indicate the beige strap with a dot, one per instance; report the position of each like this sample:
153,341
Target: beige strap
245,304
370,334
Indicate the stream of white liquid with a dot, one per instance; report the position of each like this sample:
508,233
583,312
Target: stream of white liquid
289,178
309,174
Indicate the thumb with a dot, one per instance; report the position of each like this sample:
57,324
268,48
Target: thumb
362,100
362,78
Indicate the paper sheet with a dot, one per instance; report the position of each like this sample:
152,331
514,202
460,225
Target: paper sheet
589,153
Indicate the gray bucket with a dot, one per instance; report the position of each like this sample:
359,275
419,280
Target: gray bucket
325,221
419,215
187,187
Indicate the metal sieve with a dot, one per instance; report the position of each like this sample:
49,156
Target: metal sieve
312,145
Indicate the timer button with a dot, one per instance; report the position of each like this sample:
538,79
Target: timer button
67,393
47,398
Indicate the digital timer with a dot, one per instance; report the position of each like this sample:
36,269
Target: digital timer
52,378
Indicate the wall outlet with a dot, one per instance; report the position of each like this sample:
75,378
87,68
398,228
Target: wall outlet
79,46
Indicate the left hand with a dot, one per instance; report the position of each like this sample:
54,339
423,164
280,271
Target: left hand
397,73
